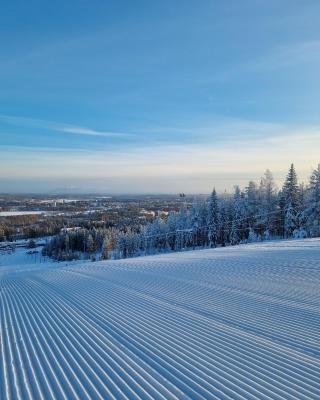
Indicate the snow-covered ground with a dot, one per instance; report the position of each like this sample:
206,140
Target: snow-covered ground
231,323
18,213
21,256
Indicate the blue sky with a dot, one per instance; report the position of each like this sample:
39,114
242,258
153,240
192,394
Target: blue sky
166,96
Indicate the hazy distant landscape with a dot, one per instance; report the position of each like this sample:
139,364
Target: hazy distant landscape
112,227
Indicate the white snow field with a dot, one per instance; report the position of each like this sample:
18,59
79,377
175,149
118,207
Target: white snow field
230,323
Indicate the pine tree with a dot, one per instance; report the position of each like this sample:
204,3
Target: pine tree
203,222
212,222
171,229
290,190
224,228
290,221
252,237
313,204
251,195
121,250
238,218
267,209
181,224
195,222
234,236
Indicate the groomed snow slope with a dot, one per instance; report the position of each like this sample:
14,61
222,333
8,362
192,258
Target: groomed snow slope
233,323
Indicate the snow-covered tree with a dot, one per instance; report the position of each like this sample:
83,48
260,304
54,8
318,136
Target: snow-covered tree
267,209
181,224
257,213
290,221
252,203
90,247
313,204
238,228
234,235
253,237
225,220
290,190
213,219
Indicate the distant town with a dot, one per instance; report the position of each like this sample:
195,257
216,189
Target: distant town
25,219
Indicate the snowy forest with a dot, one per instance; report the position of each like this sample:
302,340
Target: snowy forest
259,212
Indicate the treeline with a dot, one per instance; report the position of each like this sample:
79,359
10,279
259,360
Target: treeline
20,226
36,226
259,212
85,242
29,226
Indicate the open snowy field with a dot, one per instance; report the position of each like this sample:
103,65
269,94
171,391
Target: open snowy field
231,323
19,213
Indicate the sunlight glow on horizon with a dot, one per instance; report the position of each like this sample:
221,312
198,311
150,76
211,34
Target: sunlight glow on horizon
161,97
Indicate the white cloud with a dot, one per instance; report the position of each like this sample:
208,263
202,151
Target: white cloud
91,132
58,127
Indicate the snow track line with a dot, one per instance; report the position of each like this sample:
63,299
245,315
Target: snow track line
96,354
173,333
44,351
68,358
163,333
188,312
226,312
232,323
194,394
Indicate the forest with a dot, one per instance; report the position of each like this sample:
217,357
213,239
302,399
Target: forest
258,212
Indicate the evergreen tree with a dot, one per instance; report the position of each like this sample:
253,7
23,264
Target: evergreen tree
313,204
121,251
171,230
258,213
213,219
181,224
267,209
238,229
290,221
224,227
197,221
252,237
251,196
290,191
234,235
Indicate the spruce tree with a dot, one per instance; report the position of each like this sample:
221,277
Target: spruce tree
290,219
290,190
289,201
267,205
234,235
213,219
238,229
223,232
313,204
237,220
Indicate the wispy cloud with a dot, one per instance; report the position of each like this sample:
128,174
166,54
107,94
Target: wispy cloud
91,132
214,130
58,127
288,55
